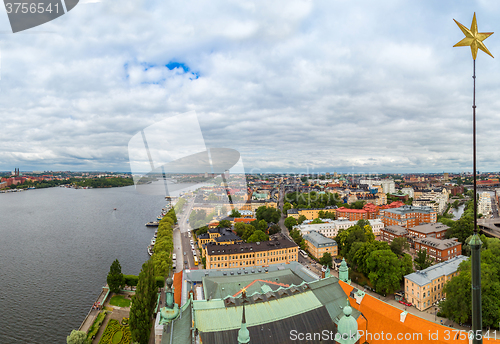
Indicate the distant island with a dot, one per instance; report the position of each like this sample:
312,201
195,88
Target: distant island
68,179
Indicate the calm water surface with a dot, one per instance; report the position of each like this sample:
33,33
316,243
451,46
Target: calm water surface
56,247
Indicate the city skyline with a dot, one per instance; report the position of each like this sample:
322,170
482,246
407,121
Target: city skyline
302,86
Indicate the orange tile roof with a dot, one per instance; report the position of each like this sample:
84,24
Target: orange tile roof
239,219
342,209
177,287
383,320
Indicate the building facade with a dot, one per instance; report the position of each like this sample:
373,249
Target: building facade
318,245
332,228
425,287
250,254
409,216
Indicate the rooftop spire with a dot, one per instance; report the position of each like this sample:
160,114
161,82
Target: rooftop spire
243,333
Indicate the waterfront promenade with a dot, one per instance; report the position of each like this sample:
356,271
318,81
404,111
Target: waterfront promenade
92,314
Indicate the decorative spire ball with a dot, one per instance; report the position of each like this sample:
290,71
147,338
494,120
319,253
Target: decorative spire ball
473,38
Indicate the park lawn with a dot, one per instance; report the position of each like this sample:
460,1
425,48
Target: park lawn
119,301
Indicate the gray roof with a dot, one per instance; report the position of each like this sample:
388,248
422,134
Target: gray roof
278,332
394,229
197,276
405,209
430,228
292,211
214,249
440,244
319,240
446,268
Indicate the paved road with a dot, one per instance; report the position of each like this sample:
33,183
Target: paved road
182,240
281,222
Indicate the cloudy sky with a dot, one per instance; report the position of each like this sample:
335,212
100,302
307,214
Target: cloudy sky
293,85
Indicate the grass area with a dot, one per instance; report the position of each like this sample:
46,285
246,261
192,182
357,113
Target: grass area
119,301
116,334
96,325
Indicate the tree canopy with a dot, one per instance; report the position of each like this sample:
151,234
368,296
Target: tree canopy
326,259
457,305
257,236
235,213
290,222
77,337
267,214
143,304
115,277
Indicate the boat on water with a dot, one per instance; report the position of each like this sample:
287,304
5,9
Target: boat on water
150,250
153,224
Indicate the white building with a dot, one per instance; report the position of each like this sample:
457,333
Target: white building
331,229
388,186
408,191
484,205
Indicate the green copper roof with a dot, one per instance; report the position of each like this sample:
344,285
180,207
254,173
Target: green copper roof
474,240
216,317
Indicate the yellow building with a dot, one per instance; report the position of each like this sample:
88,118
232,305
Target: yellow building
309,213
425,287
217,236
250,254
318,244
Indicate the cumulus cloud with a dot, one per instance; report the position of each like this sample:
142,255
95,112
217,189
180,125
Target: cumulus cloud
291,85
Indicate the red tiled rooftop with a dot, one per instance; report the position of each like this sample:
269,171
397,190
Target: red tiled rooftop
342,209
384,318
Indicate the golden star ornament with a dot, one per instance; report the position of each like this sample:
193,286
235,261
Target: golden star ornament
473,38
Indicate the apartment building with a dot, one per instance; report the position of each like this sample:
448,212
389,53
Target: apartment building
409,216
318,244
389,233
428,230
484,204
439,249
309,213
247,255
425,287
332,228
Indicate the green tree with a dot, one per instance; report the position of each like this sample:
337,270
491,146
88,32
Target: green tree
258,236
225,223
361,254
249,230
270,215
301,219
398,245
326,259
235,213
386,271
316,221
239,228
115,277
77,337
274,229
355,234
457,305
143,304
287,206
296,235
423,260
201,230
290,222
